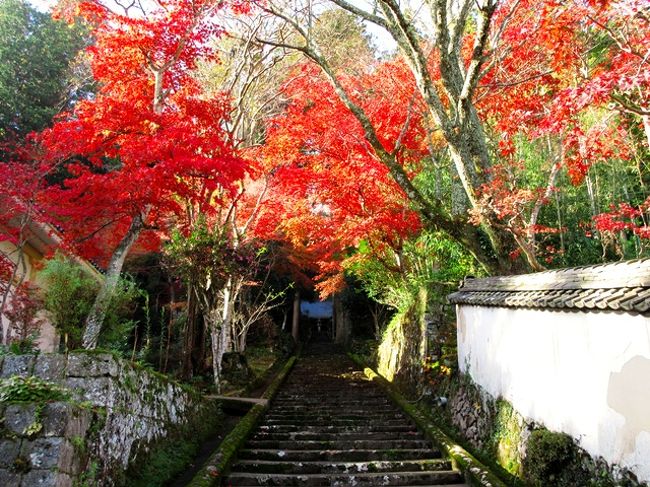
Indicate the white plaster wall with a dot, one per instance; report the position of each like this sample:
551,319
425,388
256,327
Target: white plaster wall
583,373
48,340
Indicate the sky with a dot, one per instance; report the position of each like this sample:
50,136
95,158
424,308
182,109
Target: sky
42,5
382,39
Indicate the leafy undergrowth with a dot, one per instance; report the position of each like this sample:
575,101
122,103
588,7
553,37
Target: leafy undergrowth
31,389
260,361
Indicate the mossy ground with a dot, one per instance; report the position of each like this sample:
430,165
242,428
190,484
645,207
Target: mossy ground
170,456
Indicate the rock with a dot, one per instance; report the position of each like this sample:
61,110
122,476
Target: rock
235,368
9,449
78,423
55,418
47,453
42,478
21,365
18,417
9,478
50,366
95,390
92,365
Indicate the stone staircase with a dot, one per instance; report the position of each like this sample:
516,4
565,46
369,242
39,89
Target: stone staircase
330,426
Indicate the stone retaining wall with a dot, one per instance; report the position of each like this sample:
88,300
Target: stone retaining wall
49,456
131,410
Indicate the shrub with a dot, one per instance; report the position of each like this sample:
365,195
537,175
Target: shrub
547,455
69,295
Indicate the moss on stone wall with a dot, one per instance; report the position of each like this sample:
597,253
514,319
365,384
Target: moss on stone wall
525,451
139,428
400,353
506,440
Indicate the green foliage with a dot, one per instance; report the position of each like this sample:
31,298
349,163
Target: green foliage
70,292
206,257
118,324
30,389
505,439
547,454
37,64
431,261
89,476
23,346
164,464
68,295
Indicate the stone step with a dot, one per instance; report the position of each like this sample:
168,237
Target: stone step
290,428
333,422
331,402
358,455
316,467
317,435
388,408
371,479
343,415
339,444
330,426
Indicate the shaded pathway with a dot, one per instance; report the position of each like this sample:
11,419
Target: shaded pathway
330,426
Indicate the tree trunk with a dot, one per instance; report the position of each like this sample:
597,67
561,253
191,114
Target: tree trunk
189,337
16,278
242,343
646,128
295,323
218,349
343,326
97,314
220,331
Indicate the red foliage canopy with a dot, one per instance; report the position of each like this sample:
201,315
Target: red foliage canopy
331,192
149,138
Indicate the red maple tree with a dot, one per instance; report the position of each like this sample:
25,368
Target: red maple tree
148,139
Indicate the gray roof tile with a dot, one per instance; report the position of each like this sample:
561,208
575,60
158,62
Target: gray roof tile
618,286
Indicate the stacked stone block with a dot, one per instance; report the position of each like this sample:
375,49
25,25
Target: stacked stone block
138,409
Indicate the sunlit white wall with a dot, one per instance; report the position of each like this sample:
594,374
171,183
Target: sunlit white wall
585,374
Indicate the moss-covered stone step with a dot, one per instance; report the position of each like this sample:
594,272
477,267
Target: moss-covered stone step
340,444
338,455
373,479
329,467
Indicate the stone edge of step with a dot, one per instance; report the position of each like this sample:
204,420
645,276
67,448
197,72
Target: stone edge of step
215,468
477,474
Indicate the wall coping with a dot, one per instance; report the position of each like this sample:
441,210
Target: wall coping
620,286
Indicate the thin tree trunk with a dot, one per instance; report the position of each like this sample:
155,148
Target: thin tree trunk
220,331
216,336
13,282
646,127
189,337
97,314
295,323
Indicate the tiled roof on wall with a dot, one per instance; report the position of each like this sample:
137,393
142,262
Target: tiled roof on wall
621,286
